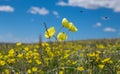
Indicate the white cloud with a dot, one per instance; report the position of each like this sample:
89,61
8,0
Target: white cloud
37,10
6,8
61,3
108,29
93,4
56,14
98,24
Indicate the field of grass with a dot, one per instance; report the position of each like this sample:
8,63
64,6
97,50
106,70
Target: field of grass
73,57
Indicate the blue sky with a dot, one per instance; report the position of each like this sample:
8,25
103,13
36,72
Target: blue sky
21,20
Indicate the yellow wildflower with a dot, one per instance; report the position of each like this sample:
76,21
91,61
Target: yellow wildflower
7,71
29,71
20,55
98,51
105,60
2,63
50,32
62,36
110,61
11,51
75,62
18,44
72,27
65,23
80,68
38,61
29,61
17,72
1,56
66,55
11,60
61,72
26,48
101,46
118,72
34,69
101,66
91,54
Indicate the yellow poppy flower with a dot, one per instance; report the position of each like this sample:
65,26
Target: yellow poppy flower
61,72
72,27
106,60
2,63
18,44
7,71
50,32
80,68
62,36
29,71
65,23
34,69
101,66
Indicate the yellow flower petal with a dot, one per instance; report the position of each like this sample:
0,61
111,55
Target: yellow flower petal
101,66
72,27
65,23
62,36
18,44
50,32
80,68
34,69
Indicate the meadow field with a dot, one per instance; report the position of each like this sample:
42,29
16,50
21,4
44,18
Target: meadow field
59,36
100,56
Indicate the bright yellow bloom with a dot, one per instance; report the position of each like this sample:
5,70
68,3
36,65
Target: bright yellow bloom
17,72
61,72
11,51
62,36
91,54
7,71
75,62
105,60
11,60
34,69
6,57
101,46
65,23
18,44
118,72
1,56
38,61
20,55
66,55
50,32
72,27
26,48
29,71
101,66
68,61
2,63
110,61
80,68
29,61
98,51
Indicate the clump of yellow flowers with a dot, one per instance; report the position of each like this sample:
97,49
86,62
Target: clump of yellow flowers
61,36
